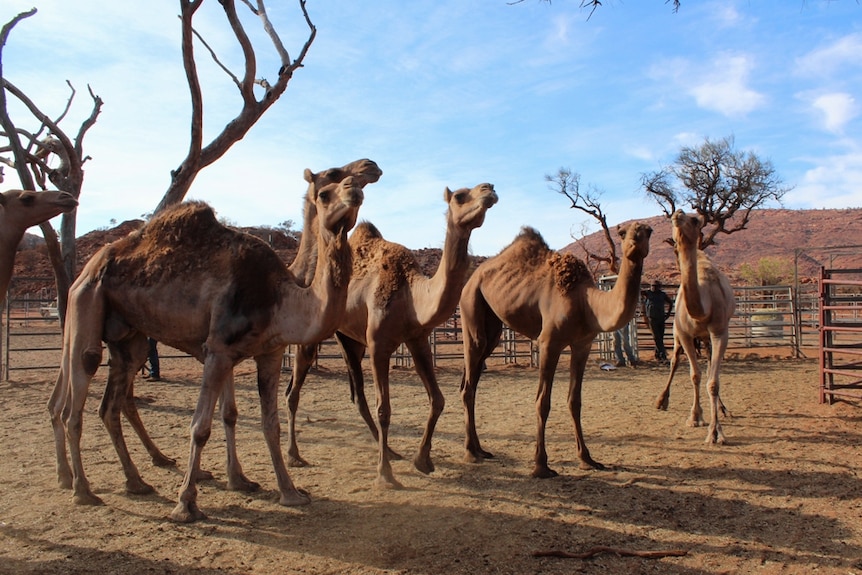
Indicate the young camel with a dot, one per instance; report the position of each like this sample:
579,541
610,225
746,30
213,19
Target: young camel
704,306
364,172
552,298
220,295
19,210
391,302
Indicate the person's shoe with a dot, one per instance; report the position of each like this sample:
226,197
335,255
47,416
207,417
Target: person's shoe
152,377
620,364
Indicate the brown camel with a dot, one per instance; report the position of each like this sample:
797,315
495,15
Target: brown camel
220,295
552,298
704,306
391,302
364,172
19,210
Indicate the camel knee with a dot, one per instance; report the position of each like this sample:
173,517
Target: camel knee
201,434
90,361
230,415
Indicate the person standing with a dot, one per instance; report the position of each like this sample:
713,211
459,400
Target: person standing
153,359
622,341
657,307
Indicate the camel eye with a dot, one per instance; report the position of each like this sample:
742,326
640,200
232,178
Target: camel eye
28,199
324,196
461,198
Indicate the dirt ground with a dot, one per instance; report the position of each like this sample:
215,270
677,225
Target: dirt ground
784,496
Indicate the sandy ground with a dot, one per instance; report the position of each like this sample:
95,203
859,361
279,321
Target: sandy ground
784,496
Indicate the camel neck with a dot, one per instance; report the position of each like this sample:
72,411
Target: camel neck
446,283
687,260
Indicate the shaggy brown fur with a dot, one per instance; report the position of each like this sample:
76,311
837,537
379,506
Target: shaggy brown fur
215,293
550,298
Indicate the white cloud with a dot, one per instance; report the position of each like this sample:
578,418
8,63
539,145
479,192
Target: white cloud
723,87
837,110
834,182
827,60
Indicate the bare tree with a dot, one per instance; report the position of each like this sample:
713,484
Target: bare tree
568,183
721,184
30,150
253,107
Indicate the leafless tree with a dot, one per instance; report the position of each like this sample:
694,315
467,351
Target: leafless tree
28,152
568,183
253,106
720,183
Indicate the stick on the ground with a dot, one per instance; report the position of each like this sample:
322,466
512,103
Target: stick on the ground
593,551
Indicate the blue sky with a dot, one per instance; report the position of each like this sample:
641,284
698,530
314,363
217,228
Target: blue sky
454,93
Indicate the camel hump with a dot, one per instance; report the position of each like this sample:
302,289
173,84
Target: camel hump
569,271
365,231
191,222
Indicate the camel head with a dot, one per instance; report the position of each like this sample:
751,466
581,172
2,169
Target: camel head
363,171
686,229
338,205
467,206
20,209
635,244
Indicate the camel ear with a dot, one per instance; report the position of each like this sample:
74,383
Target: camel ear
308,175
447,194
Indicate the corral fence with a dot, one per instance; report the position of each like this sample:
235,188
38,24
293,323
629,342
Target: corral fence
840,334
766,317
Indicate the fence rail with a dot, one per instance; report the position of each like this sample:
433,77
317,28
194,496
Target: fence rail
766,317
840,334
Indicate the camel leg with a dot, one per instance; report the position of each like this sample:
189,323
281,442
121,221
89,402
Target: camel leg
305,355
663,399
482,331
380,371
217,373
130,410
352,351
236,479
268,373
126,358
82,354
577,365
548,358
695,418
56,405
714,433
424,361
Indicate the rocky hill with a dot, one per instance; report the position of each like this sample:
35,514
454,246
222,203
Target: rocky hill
818,235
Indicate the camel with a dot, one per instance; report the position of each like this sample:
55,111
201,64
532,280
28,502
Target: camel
20,209
364,172
391,302
552,298
704,306
220,295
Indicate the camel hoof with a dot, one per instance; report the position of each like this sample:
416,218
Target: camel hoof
242,483
695,423
540,472
394,455
87,498
139,487
160,460
386,483
203,475
589,464
477,455
187,514
297,461
423,464
294,498
662,403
